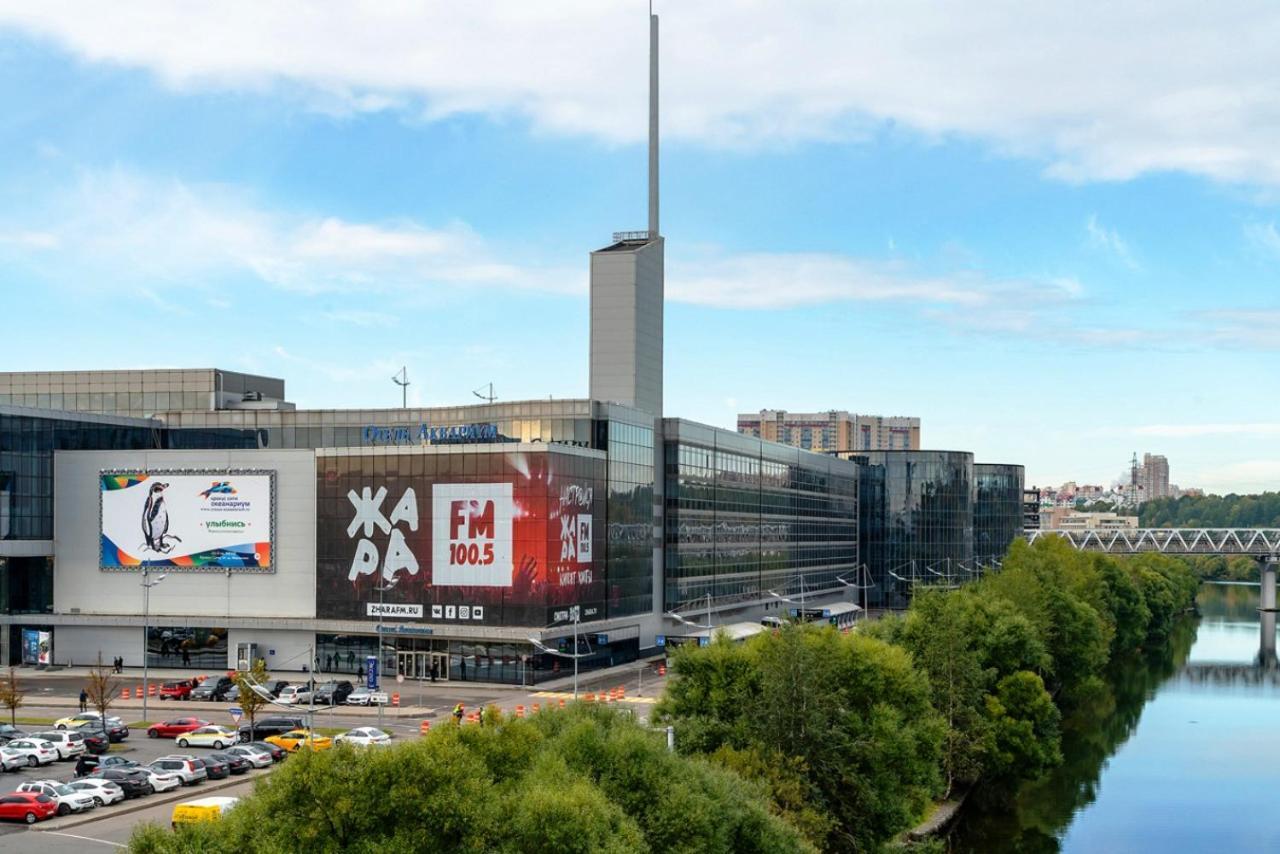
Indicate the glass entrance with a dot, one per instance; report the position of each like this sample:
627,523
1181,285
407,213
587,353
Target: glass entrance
417,665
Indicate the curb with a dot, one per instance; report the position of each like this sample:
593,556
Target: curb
140,804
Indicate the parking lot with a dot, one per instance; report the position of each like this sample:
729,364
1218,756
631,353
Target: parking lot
112,824
52,695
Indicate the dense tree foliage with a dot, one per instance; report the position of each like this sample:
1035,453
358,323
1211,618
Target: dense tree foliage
846,717
801,738
584,780
968,685
1212,511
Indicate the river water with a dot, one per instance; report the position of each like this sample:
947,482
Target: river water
1179,752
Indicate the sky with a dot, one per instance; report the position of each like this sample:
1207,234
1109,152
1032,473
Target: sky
1050,231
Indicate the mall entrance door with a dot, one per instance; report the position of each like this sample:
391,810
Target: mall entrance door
417,665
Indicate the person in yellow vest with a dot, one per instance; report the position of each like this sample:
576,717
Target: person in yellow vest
458,712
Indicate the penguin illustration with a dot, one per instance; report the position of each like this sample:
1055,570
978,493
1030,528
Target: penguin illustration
155,520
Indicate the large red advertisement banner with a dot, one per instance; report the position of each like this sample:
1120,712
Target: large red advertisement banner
484,538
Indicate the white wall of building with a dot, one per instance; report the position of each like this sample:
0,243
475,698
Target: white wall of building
80,645
81,587
283,650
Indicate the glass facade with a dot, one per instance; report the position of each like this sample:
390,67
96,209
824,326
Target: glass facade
28,440
26,585
187,646
630,522
916,520
744,517
997,509
560,422
27,443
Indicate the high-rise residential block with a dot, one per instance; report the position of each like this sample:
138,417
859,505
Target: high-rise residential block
834,430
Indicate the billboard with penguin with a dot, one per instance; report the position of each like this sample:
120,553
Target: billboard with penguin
215,520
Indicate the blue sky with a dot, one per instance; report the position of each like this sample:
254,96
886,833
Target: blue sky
1051,236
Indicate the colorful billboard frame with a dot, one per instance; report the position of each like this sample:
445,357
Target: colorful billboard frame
222,551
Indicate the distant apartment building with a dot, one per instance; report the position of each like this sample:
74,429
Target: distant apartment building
1063,519
1153,477
835,430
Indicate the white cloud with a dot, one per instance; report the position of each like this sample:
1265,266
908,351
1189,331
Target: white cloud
1246,476
1100,90
367,319
763,280
1110,241
1264,236
120,229
29,239
156,238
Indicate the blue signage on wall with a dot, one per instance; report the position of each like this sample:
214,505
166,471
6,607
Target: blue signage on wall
660,640
371,672
374,434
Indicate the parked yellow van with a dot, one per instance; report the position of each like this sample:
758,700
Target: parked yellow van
201,809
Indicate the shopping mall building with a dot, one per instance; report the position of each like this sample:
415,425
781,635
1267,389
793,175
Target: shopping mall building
464,540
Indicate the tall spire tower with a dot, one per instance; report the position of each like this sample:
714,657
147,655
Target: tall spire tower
627,293
653,123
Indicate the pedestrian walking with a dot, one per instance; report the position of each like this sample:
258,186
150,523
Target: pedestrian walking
458,712
84,700
360,672
435,669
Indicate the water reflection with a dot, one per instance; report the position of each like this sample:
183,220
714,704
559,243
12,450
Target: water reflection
1174,752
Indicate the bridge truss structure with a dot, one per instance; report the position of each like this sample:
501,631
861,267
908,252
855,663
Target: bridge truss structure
1255,542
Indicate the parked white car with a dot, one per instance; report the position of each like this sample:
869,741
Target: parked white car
295,694
161,781
216,737
182,766
69,800
365,736
260,757
365,697
12,760
68,742
36,751
103,792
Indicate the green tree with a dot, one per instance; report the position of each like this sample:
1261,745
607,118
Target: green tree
939,635
587,779
250,700
11,695
1024,727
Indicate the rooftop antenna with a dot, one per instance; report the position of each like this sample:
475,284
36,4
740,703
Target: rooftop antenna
402,379
488,398
653,123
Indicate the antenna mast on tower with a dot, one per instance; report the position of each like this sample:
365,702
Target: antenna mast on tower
653,124
1133,480
402,379
487,398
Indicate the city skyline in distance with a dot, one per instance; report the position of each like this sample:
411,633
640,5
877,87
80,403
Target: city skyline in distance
1033,293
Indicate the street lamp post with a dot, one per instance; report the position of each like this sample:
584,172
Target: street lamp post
147,584
575,614
382,590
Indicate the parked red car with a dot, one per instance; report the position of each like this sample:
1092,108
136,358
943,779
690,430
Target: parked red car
27,806
175,727
180,690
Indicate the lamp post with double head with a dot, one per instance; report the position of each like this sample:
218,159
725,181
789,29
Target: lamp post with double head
575,614
147,583
388,584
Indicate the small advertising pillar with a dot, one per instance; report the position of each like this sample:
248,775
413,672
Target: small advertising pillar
371,672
